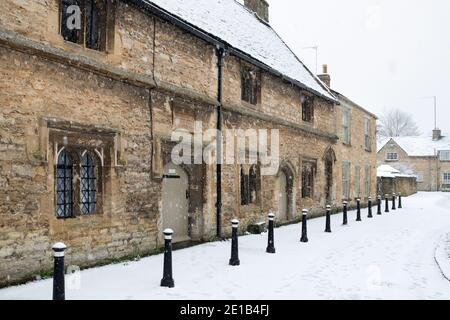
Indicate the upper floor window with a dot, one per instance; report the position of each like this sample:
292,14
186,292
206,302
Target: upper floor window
346,126
392,156
444,155
367,134
84,22
250,85
307,108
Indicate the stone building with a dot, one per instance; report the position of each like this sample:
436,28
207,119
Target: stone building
357,147
91,93
427,157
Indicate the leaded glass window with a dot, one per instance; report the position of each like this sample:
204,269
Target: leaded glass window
64,188
88,185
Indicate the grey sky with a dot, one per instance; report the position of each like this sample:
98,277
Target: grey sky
380,53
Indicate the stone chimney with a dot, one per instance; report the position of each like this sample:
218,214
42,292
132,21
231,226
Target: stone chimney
325,77
437,134
260,7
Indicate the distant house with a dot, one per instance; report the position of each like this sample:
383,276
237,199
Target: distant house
426,157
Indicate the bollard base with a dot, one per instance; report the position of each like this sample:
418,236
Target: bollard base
304,240
270,250
235,262
168,283
328,230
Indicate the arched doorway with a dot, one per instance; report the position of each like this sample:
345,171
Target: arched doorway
175,202
285,193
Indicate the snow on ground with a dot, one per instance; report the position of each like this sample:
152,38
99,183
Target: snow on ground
388,257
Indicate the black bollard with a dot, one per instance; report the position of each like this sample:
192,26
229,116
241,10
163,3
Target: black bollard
369,205
234,260
379,206
358,209
393,202
328,220
167,280
58,271
400,201
344,211
270,242
386,198
304,227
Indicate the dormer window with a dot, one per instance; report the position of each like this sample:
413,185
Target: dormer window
307,108
250,85
84,22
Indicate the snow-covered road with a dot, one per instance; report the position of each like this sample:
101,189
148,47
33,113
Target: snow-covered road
388,257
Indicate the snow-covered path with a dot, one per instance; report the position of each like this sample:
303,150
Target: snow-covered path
388,257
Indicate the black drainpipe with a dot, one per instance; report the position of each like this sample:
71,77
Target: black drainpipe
220,56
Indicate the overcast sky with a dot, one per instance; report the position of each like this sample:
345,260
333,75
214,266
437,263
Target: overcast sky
380,53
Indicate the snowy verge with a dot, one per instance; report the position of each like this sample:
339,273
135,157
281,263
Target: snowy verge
442,256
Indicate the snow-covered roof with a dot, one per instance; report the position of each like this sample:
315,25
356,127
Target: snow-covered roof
419,146
386,171
240,28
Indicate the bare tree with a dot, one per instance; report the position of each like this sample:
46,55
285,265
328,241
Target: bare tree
397,123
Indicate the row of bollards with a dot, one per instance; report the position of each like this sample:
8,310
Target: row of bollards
167,280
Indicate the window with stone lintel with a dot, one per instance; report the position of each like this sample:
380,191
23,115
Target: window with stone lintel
250,85
86,22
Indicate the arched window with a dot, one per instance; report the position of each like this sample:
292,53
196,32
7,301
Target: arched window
64,194
88,185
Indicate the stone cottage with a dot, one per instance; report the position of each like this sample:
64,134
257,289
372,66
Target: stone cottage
91,93
427,157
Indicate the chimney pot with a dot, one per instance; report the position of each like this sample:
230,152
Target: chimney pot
325,77
437,134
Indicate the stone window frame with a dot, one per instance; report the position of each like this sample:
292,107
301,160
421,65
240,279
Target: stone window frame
389,156
307,104
346,126
308,175
357,181
367,179
41,150
446,177
346,166
250,184
367,138
77,153
250,85
107,24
